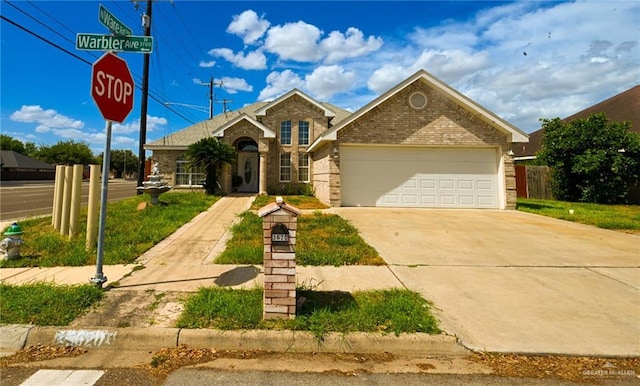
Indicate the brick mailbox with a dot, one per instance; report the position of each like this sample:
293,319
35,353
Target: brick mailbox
279,225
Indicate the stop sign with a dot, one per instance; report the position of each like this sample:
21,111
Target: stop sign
112,87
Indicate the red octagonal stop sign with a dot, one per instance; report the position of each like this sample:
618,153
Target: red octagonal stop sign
112,87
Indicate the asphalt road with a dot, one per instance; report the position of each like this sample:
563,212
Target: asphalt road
26,199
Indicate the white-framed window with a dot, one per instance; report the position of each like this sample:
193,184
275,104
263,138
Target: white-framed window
303,167
285,167
303,133
188,177
285,133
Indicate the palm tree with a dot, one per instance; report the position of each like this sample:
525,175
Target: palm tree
210,153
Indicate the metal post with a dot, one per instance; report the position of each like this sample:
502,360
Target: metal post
99,279
143,103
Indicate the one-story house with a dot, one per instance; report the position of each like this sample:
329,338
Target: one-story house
420,144
16,166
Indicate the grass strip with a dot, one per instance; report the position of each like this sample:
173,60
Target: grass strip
322,239
617,217
300,202
394,311
46,304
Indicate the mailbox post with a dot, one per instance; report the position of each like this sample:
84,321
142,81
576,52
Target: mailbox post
279,227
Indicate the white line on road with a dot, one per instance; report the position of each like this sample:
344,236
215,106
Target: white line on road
64,378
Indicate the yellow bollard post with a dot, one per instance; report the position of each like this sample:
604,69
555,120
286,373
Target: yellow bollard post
93,207
66,201
76,198
57,197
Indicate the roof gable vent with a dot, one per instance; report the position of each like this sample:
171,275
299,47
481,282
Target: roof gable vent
418,100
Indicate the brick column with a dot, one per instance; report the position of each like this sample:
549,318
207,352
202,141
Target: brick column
279,297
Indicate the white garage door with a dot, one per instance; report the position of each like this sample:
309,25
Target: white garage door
419,177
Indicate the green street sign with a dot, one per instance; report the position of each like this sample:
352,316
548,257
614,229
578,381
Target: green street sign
96,42
112,22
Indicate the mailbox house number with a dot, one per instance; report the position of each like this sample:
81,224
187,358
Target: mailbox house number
278,237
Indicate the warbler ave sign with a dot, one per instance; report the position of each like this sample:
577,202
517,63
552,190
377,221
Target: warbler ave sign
112,87
97,42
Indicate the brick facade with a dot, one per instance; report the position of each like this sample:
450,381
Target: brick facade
446,121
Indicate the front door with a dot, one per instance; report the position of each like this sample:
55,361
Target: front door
248,170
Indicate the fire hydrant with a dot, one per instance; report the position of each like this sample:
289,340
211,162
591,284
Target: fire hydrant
10,246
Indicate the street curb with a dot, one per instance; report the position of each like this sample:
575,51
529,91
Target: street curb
265,340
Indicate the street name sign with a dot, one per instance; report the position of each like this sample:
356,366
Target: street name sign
97,42
110,21
112,87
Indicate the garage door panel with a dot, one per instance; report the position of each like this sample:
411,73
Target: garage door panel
414,177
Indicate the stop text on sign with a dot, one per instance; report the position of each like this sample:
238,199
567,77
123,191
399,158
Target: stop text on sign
115,88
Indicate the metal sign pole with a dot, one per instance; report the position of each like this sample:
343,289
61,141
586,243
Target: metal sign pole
99,279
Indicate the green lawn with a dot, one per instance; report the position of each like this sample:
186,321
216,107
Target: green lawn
129,232
617,217
300,202
46,304
322,239
386,311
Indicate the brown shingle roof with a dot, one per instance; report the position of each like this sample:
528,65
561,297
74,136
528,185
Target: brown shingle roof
621,107
180,140
10,159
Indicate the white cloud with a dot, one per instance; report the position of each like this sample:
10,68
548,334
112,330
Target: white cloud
47,119
338,46
153,123
248,26
326,81
254,60
279,83
208,64
233,85
386,77
294,41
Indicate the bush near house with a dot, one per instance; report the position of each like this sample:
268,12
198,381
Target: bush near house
592,160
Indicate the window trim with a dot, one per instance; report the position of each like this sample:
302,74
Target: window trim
308,127
287,157
283,124
190,175
306,167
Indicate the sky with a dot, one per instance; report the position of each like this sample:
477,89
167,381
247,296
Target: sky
523,60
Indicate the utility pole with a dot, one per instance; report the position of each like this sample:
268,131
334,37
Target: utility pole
211,83
146,20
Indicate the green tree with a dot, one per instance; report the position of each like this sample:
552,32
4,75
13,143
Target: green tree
10,143
66,153
591,159
117,161
211,154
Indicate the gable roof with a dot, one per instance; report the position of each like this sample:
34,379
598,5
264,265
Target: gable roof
263,110
267,132
620,107
516,135
180,140
10,159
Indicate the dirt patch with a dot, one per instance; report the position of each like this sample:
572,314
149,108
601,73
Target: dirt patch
125,308
574,369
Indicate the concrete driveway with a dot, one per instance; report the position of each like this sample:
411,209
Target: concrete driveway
508,281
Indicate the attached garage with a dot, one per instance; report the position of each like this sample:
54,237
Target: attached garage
400,176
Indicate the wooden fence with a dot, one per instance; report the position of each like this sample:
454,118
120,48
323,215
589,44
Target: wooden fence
533,182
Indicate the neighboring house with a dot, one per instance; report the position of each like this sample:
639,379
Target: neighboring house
621,107
16,166
420,144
